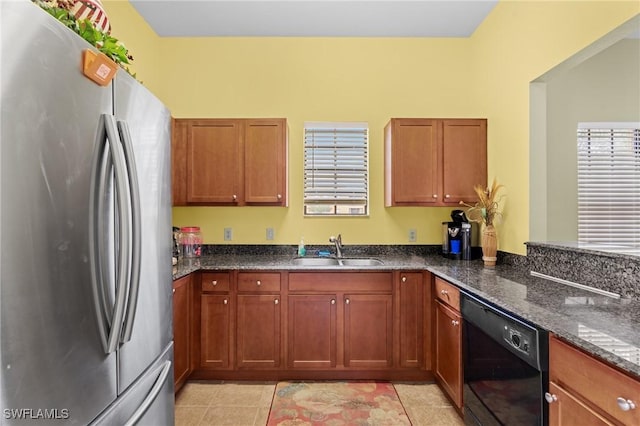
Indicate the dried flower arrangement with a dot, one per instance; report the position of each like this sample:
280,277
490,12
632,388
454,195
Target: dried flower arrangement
486,210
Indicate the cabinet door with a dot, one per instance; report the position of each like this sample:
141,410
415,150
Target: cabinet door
258,337
412,162
368,325
181,330
464,153
312,331
411,319
214,149
448,352
265,161
215,331
179,132
566,410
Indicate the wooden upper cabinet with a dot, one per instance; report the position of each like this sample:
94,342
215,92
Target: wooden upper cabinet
265,160
214,171
464,159
412,162
229,162
179,130
434,162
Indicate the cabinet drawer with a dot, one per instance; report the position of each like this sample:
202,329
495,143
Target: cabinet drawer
448,293
593,381
340,281
259,281
215,282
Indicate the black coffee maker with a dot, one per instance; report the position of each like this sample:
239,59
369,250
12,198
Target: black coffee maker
458,236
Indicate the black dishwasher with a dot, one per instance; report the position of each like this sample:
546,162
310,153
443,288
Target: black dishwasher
505,367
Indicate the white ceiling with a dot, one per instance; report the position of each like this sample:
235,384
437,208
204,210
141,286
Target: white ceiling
314,18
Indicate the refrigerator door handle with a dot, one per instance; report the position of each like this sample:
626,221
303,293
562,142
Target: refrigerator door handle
136,228
107,133
99,168
153,394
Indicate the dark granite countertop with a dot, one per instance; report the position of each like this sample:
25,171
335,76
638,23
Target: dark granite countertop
603,326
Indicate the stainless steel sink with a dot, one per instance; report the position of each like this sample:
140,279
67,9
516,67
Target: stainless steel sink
315,261
332,261
364,261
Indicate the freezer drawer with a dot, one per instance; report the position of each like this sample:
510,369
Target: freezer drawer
149,400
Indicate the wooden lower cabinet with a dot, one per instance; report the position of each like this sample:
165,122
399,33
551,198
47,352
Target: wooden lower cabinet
272,325
215,325
258,331
181,331
411,301
448,353
566,410
359,324
584,390
312,331
368,330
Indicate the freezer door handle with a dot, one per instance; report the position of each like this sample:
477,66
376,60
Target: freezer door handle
109,320
153,394
136,227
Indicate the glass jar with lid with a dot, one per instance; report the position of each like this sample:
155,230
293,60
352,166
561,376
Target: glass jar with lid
190,241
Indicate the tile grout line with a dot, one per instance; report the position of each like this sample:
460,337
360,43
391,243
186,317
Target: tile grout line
406,413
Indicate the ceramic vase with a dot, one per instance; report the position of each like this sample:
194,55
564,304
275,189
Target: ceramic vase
489,246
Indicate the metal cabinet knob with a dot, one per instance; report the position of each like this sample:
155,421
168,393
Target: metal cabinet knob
455,322
404,279
347,301
550,397
214,282
225,301
444,292
235,197
258,283
435,195
447,196
275,302
174,290
279,196
333,301
625,404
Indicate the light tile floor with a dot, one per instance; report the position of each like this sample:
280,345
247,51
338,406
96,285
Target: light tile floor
248,404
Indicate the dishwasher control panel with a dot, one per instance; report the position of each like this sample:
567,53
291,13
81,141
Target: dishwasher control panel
517,338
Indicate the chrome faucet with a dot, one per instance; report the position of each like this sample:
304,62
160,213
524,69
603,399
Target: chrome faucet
338,242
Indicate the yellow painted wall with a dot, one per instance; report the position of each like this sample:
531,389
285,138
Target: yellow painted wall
519,41
143,43
318,79
372,80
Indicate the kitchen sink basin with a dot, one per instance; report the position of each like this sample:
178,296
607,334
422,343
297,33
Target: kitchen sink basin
332,261
360,261
315,261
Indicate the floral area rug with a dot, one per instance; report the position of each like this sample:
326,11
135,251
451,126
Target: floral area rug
336,404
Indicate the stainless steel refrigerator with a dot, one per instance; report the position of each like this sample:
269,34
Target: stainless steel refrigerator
85,295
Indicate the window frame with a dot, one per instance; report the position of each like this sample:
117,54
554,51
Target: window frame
608,202
312,129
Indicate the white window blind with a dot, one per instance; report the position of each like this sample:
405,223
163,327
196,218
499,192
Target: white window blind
336,168
609,184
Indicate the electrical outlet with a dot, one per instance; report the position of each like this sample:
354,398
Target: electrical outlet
228,234
270,234
412,235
